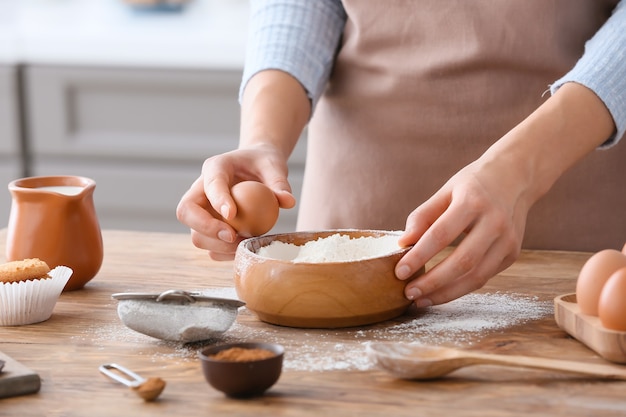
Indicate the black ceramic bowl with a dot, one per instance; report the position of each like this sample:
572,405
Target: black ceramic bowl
242,378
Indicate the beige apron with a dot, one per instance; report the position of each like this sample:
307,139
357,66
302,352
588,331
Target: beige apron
422,88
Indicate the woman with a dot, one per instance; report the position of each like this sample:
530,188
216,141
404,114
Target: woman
433,116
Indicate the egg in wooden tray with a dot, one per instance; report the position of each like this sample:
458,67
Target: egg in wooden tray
596,313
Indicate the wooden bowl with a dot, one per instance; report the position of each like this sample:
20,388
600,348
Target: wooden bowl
319,295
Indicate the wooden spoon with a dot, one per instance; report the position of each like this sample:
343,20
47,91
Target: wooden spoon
429,362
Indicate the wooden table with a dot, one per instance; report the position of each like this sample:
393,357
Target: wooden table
85,332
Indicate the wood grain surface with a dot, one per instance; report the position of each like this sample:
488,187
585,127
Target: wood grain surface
85,332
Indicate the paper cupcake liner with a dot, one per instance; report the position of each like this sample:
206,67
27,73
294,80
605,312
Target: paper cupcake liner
32,301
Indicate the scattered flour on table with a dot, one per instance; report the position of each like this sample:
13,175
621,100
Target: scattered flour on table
461,323
334,248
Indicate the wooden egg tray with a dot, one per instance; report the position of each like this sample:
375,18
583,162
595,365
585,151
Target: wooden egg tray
609,344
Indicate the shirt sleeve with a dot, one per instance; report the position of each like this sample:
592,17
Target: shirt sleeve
602,68
300,37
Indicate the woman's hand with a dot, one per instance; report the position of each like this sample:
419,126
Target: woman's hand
487,203
210,195
274,110
484,203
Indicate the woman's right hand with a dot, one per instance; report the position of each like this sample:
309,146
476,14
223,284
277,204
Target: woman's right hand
210,195
274,110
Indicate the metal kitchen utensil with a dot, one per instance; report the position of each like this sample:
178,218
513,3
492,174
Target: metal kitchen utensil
410,361
148,389
177,315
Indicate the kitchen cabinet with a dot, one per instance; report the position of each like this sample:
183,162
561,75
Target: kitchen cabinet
135,100
140,133
10,146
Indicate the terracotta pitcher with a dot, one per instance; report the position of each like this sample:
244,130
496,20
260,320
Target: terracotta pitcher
53,218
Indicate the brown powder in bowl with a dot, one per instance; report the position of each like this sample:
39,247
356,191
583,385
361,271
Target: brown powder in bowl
239,354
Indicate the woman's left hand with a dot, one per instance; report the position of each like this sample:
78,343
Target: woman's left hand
485,203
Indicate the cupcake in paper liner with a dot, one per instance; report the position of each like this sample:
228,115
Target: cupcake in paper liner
32,301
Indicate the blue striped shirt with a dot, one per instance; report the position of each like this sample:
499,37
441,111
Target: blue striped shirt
301,38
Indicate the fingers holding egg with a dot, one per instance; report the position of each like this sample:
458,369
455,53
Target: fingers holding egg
257,208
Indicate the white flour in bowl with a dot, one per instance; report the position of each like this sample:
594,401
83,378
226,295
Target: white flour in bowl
334,248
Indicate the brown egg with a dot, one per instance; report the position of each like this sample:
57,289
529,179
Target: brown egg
257,208
612,303
592,277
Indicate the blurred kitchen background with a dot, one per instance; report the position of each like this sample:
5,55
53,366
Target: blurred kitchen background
133,97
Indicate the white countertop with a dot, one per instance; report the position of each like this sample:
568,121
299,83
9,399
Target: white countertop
205,34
